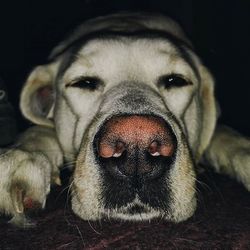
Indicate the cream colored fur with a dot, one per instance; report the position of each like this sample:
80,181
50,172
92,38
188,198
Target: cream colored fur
67,129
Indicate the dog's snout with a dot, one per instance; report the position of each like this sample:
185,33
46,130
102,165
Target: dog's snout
145,132
135,145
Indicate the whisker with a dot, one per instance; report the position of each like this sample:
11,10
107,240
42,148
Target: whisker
69,190
68,165
81,236
93,228
62,191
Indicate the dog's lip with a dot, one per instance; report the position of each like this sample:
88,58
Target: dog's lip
134,207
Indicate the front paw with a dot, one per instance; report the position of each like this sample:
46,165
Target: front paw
241,161
25,184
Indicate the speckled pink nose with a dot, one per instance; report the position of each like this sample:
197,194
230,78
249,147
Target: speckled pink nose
139,137
142,131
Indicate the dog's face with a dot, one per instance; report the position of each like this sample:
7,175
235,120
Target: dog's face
136,111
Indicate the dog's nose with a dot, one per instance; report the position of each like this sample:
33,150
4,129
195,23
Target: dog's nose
136,145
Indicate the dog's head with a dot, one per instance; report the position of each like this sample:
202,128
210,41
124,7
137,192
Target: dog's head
134,106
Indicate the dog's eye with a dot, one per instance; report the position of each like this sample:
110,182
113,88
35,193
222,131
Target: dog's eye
172,81
89,83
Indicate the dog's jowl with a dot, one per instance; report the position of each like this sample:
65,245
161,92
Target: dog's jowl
129,105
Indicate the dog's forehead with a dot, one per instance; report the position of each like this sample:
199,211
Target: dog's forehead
122,22
122,53
125,57
133,45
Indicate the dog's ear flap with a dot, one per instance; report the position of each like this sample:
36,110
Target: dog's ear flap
37,96
209,110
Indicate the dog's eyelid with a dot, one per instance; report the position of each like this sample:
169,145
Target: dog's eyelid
173,81
86,82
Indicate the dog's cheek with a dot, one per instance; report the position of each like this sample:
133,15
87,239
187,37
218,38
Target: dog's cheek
192,123
86,189
182,181
65,122
73,114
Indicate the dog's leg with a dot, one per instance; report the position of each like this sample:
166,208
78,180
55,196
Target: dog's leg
229,153
27,171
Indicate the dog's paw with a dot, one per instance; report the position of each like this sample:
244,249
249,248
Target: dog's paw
24,184
241,161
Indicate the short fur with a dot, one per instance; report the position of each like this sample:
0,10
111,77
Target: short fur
129,52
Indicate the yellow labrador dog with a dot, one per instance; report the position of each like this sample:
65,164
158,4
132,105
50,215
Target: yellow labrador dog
129,104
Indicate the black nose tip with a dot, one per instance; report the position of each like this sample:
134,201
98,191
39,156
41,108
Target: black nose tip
130,146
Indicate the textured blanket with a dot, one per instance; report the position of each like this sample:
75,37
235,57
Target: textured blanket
222,221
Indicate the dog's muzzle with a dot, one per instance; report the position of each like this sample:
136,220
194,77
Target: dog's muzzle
133,162
135,147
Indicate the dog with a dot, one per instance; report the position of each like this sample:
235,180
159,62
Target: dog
127,103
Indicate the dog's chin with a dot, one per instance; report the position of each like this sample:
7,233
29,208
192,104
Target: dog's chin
134,211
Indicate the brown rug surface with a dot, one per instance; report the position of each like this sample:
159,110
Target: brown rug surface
222,221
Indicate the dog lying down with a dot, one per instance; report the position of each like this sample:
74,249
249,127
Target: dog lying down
127,102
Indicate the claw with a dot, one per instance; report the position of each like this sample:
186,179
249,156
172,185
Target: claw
21,201
17,195
57,181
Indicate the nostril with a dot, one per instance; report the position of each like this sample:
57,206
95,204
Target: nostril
156,149
116,155
119,149
107,150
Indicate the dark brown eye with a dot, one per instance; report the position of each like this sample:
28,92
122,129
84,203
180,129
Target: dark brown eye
172,81
89,83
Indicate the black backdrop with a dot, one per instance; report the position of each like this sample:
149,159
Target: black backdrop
220,31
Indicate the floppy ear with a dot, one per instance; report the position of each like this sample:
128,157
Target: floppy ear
37,96
209,110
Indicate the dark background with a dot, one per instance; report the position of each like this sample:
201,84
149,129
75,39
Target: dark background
220,31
